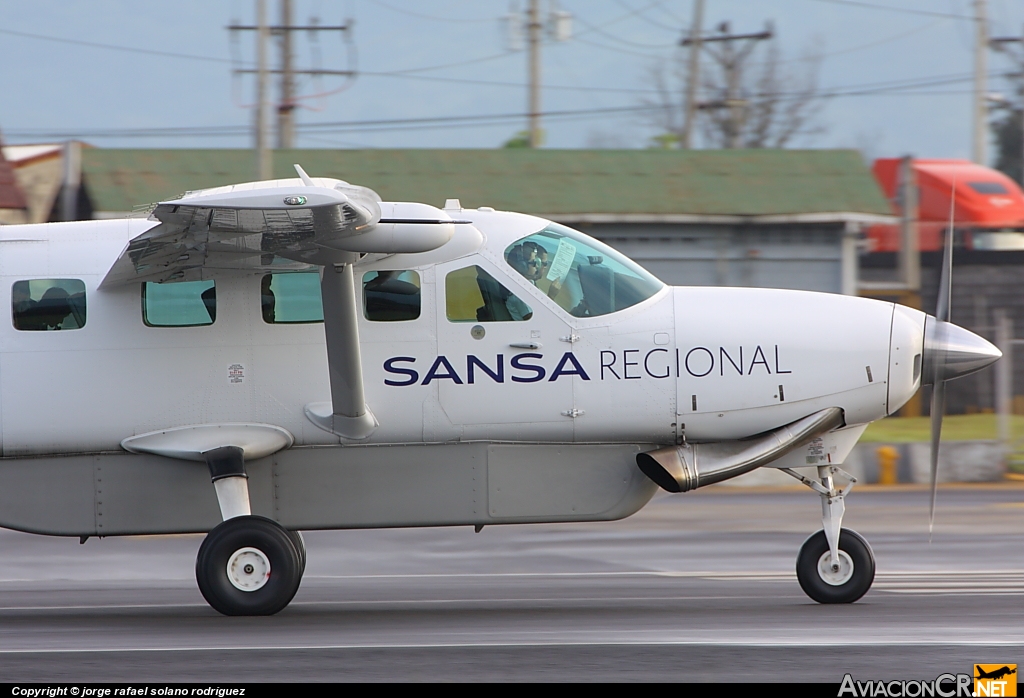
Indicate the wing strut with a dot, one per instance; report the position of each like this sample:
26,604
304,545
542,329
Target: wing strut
347,414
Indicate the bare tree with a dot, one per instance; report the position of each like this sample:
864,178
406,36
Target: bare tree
749,98
1008,126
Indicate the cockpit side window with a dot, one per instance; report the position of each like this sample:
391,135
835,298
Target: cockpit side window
583,276
473,295
48,304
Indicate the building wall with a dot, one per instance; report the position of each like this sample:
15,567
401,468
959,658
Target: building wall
795,256
13,216
40,180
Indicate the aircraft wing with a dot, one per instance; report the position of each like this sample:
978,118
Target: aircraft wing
280,224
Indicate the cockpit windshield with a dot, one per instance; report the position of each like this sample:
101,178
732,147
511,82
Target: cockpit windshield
585,277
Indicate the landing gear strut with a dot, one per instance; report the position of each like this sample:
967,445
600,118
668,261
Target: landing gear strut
835,565
248,565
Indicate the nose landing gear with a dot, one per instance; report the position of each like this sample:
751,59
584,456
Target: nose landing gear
826,582
835,565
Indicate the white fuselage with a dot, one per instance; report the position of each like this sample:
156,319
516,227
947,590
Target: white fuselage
713,363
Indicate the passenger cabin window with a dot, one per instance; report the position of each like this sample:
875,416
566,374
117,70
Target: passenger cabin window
473,295
391,296
48,304
179,303
291,298
583,276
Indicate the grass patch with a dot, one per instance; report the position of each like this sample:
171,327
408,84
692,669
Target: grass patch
958,427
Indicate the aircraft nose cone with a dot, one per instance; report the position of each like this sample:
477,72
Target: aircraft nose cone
954,351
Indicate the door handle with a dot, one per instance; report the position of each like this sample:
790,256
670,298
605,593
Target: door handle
525,345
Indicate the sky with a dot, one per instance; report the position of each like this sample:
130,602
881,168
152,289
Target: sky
443,73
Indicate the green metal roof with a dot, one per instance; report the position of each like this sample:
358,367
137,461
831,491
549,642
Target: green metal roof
659,182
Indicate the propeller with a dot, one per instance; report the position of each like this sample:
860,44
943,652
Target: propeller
939,355
949,352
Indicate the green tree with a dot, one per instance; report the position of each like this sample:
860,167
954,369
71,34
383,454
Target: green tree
1010,142
520,140
1007,126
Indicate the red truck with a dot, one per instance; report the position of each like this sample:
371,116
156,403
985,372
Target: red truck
989,205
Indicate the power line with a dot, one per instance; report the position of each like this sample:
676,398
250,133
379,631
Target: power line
449,20
405,73
640,14
861,47
904,10
409,72
113,47
471,61
905,87
315,127
599,28
499,83
170,54
908,87
615,48
627,42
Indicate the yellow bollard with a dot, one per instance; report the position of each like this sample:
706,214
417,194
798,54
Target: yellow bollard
888,457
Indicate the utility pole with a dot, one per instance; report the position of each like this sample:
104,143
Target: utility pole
1004,375
910,254
72,165
980,89
558,25
731,59
692,74
263,155
286,107
534,26
287,71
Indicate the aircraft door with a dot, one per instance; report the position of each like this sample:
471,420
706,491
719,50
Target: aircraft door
498,370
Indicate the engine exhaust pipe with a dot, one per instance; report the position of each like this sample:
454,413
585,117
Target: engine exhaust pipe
687,467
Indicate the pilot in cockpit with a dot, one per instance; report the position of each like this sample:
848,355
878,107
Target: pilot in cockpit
523,260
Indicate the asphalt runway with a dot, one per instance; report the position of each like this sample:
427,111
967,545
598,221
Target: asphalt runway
696,587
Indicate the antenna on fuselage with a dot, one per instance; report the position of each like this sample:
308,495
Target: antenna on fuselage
303,176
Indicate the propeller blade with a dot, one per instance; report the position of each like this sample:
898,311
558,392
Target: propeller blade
942,313
945,279
946,275
938,409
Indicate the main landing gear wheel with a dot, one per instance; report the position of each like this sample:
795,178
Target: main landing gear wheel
842,583
249,566
300,548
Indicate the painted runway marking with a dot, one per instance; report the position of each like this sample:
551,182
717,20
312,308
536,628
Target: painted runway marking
384,602
961,583
522,644
930,582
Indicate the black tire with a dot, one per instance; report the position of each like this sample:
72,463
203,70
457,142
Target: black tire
811,580
300,548
269,540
